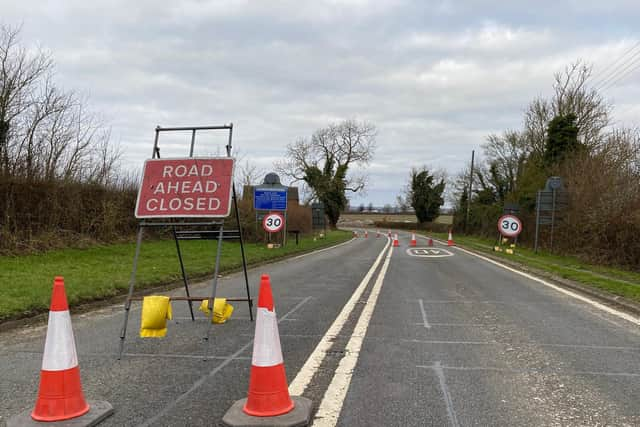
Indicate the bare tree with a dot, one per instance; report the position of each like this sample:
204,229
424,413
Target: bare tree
572,95
323,162
46,133
20,75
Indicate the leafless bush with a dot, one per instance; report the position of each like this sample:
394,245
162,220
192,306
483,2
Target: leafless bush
58,167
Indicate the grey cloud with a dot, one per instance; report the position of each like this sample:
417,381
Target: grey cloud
435,77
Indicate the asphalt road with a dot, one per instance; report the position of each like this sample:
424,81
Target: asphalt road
427,340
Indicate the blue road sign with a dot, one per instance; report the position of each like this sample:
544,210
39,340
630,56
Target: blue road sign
270,199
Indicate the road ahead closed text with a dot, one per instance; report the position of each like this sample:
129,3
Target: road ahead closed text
192,187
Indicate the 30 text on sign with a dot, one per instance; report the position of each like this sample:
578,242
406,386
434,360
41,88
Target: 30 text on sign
273,222
188,187
509,225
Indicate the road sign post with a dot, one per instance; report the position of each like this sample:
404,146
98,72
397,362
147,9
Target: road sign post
271,196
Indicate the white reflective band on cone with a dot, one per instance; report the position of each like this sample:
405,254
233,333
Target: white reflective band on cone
266,344
60,347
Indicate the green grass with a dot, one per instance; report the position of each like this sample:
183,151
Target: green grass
104,271
616,281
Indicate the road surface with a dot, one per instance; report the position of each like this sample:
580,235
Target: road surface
375,336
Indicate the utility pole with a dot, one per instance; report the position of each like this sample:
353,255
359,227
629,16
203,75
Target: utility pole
466,221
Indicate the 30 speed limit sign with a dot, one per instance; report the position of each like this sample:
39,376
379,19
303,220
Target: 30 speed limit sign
273,223
509,225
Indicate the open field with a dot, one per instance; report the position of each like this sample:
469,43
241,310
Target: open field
104,271
369,219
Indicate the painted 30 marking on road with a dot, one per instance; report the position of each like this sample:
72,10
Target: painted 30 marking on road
429,252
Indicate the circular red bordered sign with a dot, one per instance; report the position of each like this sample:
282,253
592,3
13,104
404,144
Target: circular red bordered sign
509,225
273,222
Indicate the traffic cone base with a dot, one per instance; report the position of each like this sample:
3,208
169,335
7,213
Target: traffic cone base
450,239
300,415
413,242
270,395
430,243
60,396
99,411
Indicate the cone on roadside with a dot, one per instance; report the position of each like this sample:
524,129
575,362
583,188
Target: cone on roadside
430,242
60,394
268,390
268,401
413,241
355,234
366,234
450,239
396,243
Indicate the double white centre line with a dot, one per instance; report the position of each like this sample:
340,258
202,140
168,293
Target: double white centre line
302,380
334,397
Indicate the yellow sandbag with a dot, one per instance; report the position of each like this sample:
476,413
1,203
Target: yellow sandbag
221,310
156,309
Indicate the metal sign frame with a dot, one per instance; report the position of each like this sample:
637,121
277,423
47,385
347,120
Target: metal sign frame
183,230
547,211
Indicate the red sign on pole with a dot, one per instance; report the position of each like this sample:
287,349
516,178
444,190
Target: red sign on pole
273,222
187,187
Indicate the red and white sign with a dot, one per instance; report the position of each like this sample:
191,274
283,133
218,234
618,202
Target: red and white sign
273,223
187,187
509,225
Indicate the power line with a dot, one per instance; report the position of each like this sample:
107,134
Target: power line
624,73
602,75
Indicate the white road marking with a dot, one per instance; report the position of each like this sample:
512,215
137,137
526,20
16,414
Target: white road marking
331,405
531,371
304,376
424,314
579,297
428,253
453,419
321,250
528,343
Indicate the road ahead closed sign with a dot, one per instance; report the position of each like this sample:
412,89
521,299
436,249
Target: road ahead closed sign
189,187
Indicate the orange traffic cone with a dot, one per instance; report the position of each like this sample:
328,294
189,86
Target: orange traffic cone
395,241
430,242
60,395
268,391
450,239
413,240
366,234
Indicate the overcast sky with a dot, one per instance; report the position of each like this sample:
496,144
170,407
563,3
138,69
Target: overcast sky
435,77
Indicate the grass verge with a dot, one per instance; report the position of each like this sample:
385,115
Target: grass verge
613,280
104,271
